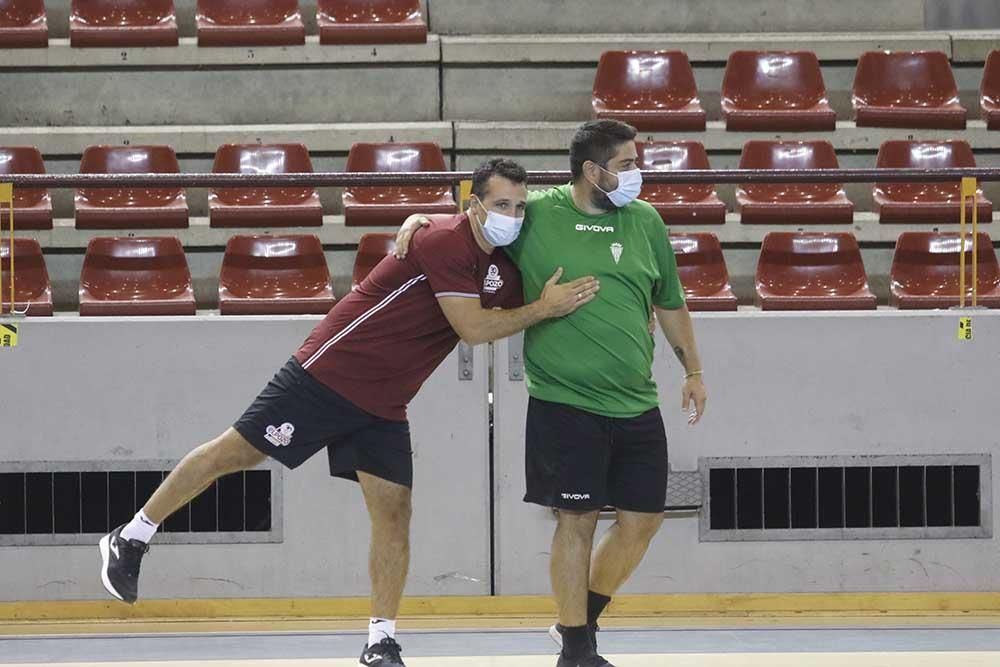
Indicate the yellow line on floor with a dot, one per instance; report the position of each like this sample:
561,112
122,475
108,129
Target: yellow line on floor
819,604
944,659
432,623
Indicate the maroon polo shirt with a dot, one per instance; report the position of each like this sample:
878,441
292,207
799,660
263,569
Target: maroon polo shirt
378,345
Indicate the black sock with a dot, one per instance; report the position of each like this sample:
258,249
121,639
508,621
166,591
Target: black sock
576,641
596,604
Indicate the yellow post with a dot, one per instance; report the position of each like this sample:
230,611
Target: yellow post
969,189
464,195
7,197
961,250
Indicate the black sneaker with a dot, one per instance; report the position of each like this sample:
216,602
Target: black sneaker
591,660
556,633
384,654
120,565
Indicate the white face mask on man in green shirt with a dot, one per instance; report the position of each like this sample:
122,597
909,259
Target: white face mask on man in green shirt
629,187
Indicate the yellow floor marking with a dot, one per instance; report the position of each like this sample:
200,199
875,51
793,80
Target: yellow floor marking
685,605
417,623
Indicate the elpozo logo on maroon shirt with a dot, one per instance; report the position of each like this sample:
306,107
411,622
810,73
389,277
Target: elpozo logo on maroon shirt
493,281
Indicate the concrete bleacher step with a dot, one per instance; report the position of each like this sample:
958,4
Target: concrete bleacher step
64,234
639,16
60,55
488,136
204,139
546,76
700,47
522,49
460,136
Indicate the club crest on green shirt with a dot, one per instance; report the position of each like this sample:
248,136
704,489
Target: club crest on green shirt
616,251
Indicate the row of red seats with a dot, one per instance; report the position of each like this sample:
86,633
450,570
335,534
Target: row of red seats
133,208
819,203
780,91
166,208
289,275
124,23
150,276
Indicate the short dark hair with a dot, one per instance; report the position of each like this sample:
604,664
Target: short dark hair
597,141
497,166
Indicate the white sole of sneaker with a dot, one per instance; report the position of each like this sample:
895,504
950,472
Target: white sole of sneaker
556,635
104,546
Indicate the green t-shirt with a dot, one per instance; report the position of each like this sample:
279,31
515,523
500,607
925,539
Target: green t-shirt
598,359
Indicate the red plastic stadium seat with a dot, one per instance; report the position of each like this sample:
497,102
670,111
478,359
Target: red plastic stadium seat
776,91
263,207
23,24
32,289
250,23
652,90
680,204
130,208
135,276
794,204
908,89
391,205
925,271
375,246
274,275
933,203
116,23
372,249
991,91
703,273
32,207
812,271
370,22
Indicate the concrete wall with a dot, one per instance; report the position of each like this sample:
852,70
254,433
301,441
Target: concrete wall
641,16
124,389
338,94
963,14
132,389
792,385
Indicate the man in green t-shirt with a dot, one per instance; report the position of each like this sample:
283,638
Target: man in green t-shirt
595,435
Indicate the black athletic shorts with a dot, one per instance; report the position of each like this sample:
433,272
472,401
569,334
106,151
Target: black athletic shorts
296,415
577,460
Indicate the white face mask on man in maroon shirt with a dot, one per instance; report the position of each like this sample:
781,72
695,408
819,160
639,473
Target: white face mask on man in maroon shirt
499,230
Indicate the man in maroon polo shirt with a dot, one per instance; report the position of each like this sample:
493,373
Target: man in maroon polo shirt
347,388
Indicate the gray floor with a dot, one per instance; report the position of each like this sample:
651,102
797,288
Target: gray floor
347,645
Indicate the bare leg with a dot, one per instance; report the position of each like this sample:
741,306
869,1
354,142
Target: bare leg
228,453
621,550
389,552
570,565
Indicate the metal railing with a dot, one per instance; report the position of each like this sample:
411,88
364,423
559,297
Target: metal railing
375,179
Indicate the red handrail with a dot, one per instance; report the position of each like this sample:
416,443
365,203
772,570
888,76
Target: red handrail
361,179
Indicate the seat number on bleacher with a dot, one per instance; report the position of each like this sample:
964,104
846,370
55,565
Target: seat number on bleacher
8,335
965,328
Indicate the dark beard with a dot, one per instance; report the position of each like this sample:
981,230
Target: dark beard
601,201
